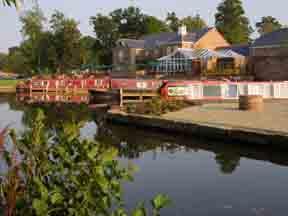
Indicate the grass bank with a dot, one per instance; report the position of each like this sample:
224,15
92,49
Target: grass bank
8,85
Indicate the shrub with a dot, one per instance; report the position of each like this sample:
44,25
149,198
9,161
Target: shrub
156,106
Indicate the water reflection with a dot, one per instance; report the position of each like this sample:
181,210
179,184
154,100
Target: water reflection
201,177
38,97
228,162
133,143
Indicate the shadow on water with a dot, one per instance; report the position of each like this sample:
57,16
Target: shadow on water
133,143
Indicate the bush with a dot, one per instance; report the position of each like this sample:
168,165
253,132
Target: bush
156,106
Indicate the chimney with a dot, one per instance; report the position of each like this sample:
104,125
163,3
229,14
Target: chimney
182,30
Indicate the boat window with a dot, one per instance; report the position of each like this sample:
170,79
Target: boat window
212,91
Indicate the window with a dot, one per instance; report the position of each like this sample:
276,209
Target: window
226,63
226,66
212,91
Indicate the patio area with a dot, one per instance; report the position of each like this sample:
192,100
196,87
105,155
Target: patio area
274,117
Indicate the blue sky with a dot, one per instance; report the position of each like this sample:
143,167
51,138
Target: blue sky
81,10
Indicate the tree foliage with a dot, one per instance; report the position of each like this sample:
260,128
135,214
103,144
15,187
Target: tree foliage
129,22
173,21
193,23
3,60
268,24
154,25
51,47
66,41
232,22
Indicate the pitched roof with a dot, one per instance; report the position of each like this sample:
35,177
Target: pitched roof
132,43
228,53
189,37
155,40
275,38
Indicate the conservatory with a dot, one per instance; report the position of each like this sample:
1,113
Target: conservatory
200,61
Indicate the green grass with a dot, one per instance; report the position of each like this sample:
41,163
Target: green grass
8,83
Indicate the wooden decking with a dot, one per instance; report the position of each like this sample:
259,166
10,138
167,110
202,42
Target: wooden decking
132,96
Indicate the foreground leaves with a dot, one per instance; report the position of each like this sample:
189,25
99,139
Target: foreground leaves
65,175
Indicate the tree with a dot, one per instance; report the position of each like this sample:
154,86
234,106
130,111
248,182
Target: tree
232,22
3,60
268,24
130,22
153,25
194,23
173,21
66,41
32,29
106,31
16,62
32,23
88,50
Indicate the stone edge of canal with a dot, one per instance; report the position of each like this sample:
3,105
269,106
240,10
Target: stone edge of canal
203,130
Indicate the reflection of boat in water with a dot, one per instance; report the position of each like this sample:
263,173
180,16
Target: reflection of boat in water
52,98
110,97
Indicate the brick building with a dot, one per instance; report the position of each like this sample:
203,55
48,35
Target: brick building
151,47
269,56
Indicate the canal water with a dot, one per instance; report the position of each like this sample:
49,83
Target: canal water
201,177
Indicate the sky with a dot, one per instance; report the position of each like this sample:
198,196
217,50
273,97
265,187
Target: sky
82,10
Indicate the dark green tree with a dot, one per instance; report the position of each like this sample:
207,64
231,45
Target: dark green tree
268,24
154,25
16,62
194,23
106,31
130,22
67,42
89,53
173,21
231,21
3,60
